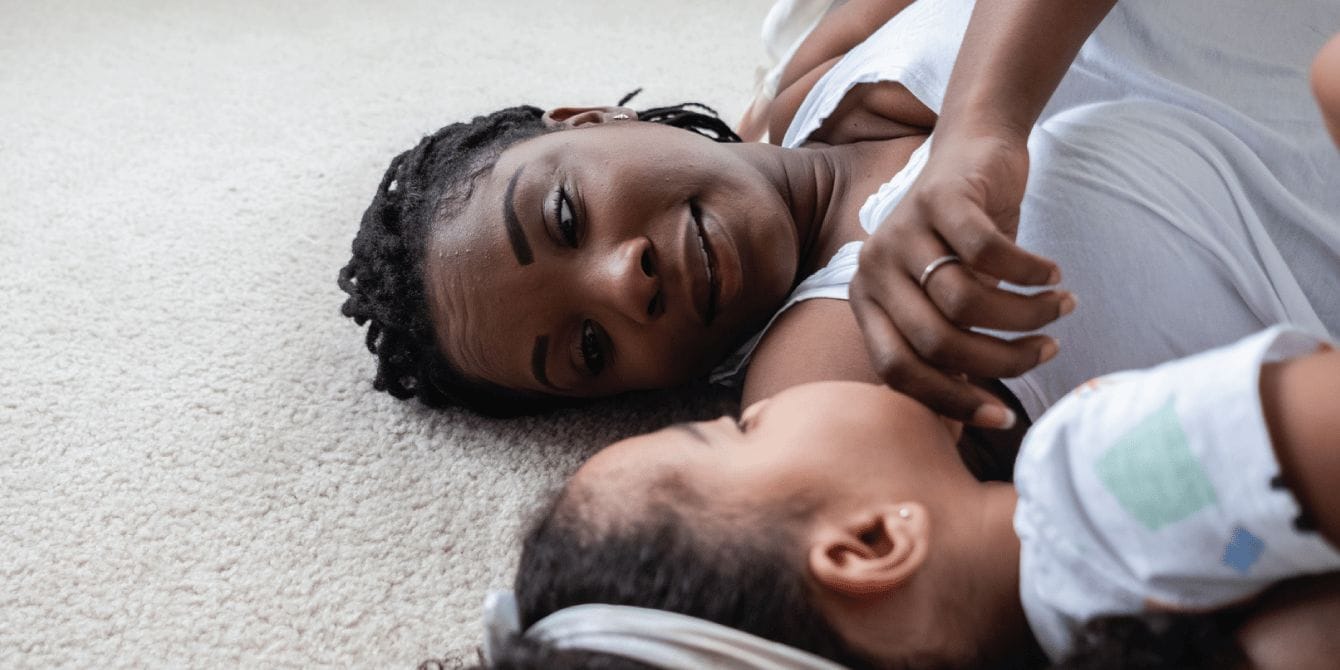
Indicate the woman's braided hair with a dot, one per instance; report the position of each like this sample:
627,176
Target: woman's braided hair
385,276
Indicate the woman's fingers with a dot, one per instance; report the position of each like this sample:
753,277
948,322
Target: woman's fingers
944,345
965,295
970,303
900,367
976,239
930,274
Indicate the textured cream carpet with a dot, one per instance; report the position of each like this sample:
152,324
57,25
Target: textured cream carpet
194,468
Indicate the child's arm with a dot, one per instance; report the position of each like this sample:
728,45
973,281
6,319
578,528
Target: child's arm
1326,84
1301,401
1292,626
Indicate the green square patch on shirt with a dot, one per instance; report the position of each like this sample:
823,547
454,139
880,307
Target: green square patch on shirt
1153,473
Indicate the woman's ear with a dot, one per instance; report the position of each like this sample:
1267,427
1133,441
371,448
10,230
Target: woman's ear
872,553
574,117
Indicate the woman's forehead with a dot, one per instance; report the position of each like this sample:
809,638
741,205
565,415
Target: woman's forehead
624,141
473,282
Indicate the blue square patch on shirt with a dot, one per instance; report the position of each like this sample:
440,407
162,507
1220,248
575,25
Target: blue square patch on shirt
1243,550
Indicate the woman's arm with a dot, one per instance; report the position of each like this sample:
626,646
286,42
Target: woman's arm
1014,54
966,203
814,341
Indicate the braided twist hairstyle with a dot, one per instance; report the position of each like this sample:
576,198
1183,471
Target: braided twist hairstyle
384,279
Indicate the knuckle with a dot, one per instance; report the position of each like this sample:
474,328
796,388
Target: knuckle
1016,365
934,347
955,404
960,304
978,248
891,367
873,253
932,392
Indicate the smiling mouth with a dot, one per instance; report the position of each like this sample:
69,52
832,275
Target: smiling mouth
709,262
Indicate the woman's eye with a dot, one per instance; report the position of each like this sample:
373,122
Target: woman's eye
567,223
592,355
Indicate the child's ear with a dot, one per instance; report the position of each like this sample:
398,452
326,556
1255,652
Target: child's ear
583,116
873,552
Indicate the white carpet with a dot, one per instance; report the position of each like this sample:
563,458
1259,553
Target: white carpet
194,468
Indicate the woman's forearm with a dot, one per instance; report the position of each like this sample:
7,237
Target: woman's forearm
1014,54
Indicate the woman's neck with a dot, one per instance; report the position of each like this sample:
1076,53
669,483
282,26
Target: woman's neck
833,182
824,188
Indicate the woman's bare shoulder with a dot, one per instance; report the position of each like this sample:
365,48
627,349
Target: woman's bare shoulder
815,340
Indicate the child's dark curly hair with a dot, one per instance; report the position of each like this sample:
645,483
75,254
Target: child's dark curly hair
384,278
1158,642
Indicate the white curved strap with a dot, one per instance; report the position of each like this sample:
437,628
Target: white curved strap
501,621
655,637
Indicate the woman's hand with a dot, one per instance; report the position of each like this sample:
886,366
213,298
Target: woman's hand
965,203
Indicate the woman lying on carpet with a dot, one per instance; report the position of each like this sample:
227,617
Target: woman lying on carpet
526,257
1152,514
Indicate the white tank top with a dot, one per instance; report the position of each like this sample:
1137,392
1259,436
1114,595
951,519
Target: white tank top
1171,207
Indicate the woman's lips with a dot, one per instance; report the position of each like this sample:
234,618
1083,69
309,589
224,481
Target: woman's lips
727,275
709,265
698,262
712,264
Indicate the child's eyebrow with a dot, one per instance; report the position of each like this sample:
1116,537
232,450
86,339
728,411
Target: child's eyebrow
693,431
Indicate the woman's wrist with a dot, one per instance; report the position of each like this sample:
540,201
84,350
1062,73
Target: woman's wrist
1013,57
975,128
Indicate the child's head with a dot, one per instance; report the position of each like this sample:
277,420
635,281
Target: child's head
836,518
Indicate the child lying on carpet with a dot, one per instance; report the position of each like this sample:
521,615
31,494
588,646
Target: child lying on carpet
1151,515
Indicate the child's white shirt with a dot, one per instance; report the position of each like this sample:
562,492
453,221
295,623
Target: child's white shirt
1159,490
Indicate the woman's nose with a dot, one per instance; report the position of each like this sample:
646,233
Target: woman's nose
633,284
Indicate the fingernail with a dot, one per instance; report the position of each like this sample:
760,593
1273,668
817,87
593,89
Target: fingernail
1055,277
1048,351
1068,303
994,416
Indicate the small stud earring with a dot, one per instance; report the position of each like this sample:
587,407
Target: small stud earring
904,513
619,117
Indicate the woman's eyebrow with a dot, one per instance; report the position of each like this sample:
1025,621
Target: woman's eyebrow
515,234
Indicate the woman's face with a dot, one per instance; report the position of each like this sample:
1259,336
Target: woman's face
609,257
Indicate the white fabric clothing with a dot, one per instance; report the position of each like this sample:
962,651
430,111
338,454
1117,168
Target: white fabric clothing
1158,490
1175,169
785,28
